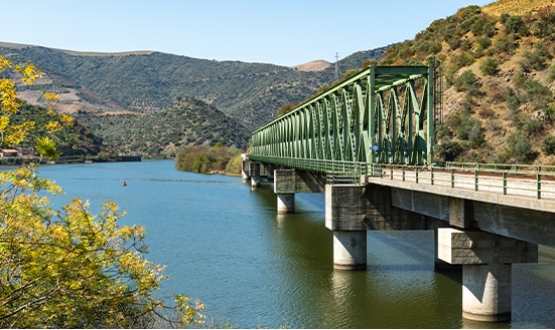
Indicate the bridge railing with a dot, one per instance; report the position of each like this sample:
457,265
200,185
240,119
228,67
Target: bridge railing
524,180
509,168
336,171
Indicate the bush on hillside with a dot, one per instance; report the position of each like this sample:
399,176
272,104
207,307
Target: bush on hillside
519,148
548,145
537,59
489,67
468,82
449,151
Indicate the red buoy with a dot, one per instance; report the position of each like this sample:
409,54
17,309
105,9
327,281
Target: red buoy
124,184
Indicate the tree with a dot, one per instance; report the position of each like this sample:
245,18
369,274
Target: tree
68,268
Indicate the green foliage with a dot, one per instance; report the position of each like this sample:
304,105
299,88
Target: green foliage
368,63
548,145
514,24
468,82
551,74
324,88
489,67
204,159
69,268
185,123
538,95
513,102
349,73
249,92
484,42
449,151
536,60
519,148
506,44
70,140
443,132
466,128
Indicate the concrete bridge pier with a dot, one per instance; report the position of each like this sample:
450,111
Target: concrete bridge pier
487,269
345,212
349,250
288,182
255,181
285,203
439,264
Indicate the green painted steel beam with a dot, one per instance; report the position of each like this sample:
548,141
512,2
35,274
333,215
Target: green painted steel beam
380,115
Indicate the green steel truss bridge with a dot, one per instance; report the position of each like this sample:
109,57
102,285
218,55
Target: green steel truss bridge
382,115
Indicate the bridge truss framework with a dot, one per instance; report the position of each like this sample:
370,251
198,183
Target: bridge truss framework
384,114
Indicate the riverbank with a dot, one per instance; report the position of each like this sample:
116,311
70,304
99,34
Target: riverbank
10,161
210,160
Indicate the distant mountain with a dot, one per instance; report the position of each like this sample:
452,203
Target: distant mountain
317,65
149,81
187,122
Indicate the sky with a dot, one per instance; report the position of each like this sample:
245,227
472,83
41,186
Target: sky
285,32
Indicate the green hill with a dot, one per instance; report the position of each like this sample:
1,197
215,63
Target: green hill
250,92
499,73
187,122
72,140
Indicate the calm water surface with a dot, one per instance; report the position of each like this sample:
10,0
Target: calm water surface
224,244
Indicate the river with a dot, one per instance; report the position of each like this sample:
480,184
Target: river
223,243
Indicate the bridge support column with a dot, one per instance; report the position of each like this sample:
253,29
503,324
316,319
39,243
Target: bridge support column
487,269
245,168
438,263
345,213
288,182
255,181
349,250
285,203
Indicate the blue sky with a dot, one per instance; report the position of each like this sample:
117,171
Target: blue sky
285,32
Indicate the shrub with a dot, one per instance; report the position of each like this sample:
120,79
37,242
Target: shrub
449,151
548,145
484,42
514,24
368,63
506,44
443,132
518,147
533,127
489,67
468,82
538,95
350,73
537,59
551,74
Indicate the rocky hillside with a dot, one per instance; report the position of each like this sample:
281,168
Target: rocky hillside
498,68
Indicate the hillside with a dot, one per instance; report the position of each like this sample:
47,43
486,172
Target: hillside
187,122
317,65
499,74
148,82
72,140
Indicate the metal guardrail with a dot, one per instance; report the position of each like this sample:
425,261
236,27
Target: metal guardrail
524,180
336,171
507,179
497,168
